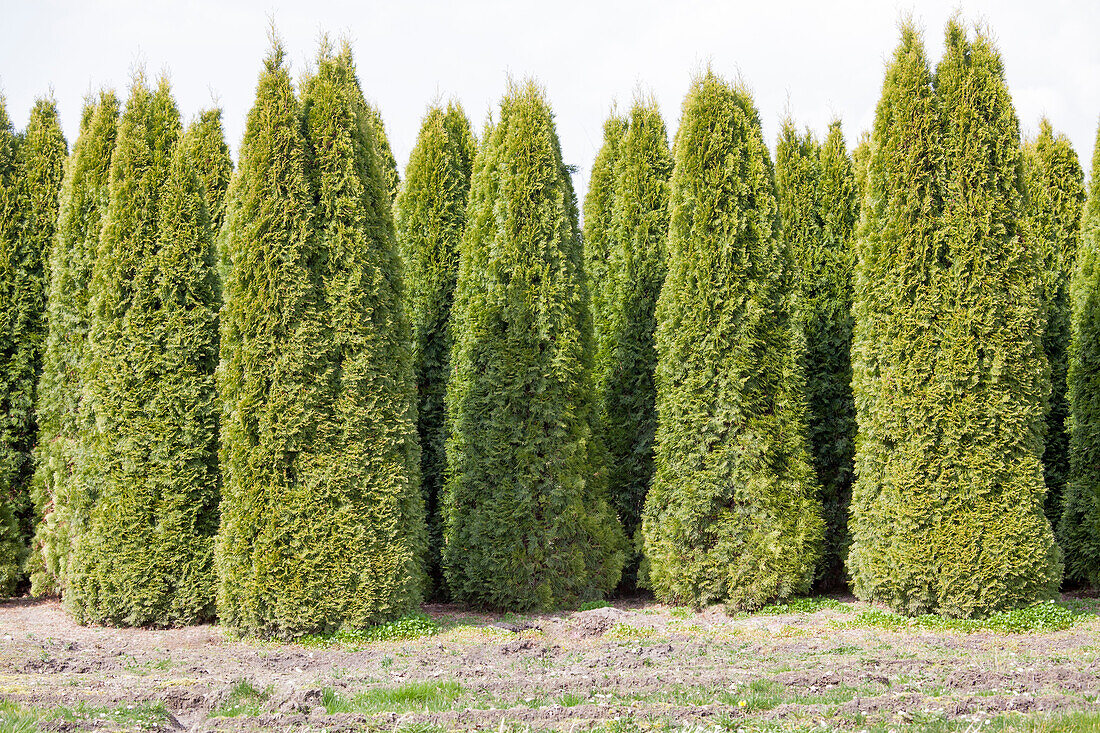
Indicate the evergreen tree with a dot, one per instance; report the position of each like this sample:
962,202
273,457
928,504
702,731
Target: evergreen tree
733,512
12,545
1056,192
1079,526
819,208
383,151
527,523
431,216
146,557
62,500
598,245
24,272
322,523
638,230
948,369
210,155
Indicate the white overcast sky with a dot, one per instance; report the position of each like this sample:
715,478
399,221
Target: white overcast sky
817,60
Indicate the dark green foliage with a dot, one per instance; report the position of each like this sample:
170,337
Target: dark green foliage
146,557
29,190
383,151
598,245
431,216
1079,526
526,518
819,207
636,271
732,513
948,370
61,500
1056,192
322,520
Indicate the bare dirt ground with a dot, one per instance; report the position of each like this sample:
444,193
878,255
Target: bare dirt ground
634,666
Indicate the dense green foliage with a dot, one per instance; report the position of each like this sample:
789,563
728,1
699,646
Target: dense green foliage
430,219
526,518
819,208
636,271
28,206
62,501
209,154
732,513
384,152
322,519
1079,526
948,370
1056,193
598,246
146,557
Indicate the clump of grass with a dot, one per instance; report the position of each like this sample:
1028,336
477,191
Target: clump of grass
593,605
626,632
413,626
802,606
243,699
1040,617
16,719
142,716
414,696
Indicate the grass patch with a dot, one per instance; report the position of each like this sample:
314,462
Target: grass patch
802,606
413,626
243,699
593,605
412,697
626,632
1038,618
141,716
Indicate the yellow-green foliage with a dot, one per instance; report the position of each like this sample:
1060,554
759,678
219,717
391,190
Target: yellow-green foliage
732,514
30,181
526,518
948,369
1056,193
430,218
146,557
1079,526
322,519
62,501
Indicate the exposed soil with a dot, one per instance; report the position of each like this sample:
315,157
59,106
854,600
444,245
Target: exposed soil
641,663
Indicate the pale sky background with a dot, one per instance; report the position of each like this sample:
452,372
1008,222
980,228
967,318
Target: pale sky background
817,60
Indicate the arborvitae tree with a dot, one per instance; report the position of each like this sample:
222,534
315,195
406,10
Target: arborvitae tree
322,523
146,557
948,369
383,151
24,274
12,542
1079,526
431,216
636,271
527,523
1056,192
598,245
819,207
62,501
733,512
210,155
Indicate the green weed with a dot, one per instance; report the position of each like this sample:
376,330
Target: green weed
413,626
415,696
243,699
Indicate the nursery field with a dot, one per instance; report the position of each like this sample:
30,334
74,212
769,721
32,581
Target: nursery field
815,664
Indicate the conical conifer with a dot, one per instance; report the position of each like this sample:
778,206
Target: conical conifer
383,151
147,555
819,207
1079,526
527,523
948,369
62,501
638,234
322,520
431,217
210,155
24,273
733,513
1056,195
598,245
12,502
